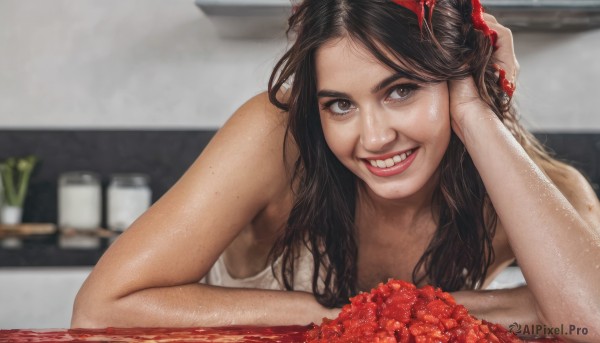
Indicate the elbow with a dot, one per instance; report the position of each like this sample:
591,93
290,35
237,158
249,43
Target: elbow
88,313
81,320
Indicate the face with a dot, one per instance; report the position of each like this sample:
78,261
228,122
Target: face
390,131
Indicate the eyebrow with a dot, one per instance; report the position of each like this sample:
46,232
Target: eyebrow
325,93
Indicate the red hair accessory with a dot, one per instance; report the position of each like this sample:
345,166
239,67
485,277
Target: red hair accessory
507,86
418,7
480,24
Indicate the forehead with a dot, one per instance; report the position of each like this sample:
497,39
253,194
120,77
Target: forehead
342,61
346,47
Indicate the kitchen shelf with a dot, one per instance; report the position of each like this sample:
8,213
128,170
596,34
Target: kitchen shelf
268,18
48,255
247,18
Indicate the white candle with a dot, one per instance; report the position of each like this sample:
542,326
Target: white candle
125,205
79,206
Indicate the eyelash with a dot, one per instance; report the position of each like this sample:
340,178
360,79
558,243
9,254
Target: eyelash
408,86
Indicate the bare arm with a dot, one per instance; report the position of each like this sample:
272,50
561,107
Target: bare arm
518,306
557,247
510,175
149,276
504,306
549,223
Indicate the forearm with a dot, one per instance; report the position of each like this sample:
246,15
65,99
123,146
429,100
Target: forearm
201,305
505,306
556,249
515,309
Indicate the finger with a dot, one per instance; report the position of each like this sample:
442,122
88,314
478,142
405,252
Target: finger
489,18
505,55
506,64
504,33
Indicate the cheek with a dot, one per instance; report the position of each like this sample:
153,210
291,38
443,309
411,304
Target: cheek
341,139
438,116
443,131
439,121
438,110
338,137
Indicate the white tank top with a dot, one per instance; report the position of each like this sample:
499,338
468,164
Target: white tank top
218,275
303,274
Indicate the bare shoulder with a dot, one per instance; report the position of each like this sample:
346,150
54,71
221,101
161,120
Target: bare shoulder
237,176
257,128
578,191
246,159
257,120
262,112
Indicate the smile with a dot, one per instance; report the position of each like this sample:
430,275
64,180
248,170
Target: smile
391,164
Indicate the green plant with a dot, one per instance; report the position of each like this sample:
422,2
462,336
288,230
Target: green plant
15,174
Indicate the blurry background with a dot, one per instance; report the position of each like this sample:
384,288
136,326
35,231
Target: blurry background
141,86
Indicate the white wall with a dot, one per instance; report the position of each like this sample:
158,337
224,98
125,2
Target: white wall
38,298
160,64
559,84
122,63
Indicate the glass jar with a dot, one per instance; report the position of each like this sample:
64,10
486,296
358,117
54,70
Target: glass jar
129,196
79,201
1,193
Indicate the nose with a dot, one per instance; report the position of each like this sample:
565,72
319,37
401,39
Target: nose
376,133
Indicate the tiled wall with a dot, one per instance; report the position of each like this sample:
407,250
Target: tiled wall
165,155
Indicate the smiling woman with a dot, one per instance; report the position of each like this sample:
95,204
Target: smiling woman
385,147
379,98
381,120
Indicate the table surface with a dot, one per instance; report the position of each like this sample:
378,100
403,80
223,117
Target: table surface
280,334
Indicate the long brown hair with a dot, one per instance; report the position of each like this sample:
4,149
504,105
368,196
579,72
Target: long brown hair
323,215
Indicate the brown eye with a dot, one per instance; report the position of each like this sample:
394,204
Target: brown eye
340,107
344,105
402,92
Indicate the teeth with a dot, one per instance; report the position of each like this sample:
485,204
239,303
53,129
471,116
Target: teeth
390,162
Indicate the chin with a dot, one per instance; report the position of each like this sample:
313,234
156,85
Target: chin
392,191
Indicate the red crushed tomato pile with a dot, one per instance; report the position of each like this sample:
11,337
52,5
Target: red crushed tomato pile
399,312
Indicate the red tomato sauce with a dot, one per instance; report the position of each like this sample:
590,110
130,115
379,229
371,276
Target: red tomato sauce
399,312
245,334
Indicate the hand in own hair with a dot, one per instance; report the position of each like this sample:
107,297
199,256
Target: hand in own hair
505,54
464,97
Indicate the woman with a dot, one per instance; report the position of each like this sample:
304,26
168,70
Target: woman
394,153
